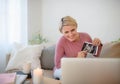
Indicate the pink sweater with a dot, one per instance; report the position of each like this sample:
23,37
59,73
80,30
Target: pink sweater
66,48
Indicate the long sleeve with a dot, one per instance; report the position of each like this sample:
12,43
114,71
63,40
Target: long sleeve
59,53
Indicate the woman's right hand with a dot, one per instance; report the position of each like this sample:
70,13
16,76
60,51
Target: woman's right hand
82,54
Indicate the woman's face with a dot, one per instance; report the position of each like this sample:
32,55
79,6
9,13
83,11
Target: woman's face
70,33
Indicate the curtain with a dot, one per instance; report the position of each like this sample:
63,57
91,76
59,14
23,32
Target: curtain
13,26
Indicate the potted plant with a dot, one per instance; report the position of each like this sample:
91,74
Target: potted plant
38,39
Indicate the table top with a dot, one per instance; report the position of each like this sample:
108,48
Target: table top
46,80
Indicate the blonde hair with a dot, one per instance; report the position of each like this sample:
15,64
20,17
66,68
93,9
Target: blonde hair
67,21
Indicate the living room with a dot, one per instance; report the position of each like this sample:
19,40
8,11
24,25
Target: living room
99,18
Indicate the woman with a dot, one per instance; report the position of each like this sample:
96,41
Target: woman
70,44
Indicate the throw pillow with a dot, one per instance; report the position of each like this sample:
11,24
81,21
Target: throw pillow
47,57
30,53
111,50
16,47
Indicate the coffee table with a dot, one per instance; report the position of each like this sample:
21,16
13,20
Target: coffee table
46,80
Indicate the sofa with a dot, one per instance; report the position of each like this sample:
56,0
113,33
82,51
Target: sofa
109,50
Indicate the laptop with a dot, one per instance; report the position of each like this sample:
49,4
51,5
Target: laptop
90,71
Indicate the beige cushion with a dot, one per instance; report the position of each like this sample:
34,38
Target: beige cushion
111,50
30,53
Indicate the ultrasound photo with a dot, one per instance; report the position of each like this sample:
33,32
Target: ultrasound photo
90,48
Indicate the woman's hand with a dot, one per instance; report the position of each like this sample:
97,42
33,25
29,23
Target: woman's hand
82,54
96,42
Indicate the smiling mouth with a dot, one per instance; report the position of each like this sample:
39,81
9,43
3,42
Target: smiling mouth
71,38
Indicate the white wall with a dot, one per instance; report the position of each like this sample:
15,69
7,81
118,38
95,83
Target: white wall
34,17
99,18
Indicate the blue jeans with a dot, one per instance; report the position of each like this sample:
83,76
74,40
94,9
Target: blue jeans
57,74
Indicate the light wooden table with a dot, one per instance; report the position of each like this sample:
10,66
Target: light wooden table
46,80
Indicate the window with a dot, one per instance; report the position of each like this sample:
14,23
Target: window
13,24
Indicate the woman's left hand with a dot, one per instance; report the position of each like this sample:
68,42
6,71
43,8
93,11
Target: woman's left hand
96,42
82,54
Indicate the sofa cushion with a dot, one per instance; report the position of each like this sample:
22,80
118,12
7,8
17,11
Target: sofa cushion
47,57
111,50
30,53
48,73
